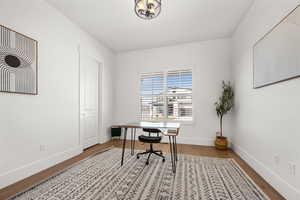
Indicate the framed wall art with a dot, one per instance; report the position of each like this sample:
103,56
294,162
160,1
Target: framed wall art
18,62
276,56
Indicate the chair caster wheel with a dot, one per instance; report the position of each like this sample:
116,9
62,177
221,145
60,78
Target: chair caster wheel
147,163
164,160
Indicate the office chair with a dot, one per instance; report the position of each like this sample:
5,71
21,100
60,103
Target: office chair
151,140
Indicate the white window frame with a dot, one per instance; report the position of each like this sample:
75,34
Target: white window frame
165,73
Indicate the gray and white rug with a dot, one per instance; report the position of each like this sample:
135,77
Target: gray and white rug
101,177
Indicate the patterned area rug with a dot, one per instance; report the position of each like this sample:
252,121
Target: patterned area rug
101,177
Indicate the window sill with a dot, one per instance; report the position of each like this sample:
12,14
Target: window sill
183,123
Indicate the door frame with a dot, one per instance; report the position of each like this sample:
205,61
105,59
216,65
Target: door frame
82,53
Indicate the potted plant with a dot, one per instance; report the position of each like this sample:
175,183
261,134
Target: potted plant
223,106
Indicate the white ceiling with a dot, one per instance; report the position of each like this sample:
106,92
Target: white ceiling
114,23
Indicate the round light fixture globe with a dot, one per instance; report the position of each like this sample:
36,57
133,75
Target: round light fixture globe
147,9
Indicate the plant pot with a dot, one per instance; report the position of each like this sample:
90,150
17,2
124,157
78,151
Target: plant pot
221,143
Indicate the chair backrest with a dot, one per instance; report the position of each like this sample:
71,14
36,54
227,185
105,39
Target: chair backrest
152,130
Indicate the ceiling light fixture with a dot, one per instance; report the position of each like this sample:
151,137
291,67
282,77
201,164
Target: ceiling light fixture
147,9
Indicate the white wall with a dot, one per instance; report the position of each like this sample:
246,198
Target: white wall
210,62
52,117
267,119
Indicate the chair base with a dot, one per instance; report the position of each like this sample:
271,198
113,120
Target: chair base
150,152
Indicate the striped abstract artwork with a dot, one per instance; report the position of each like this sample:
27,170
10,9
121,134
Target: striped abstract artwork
18,62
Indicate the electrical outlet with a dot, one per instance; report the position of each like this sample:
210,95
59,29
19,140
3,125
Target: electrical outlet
292,169
42,147
276,159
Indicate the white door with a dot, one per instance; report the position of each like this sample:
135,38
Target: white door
89,98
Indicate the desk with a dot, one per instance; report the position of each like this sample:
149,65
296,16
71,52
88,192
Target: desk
170,130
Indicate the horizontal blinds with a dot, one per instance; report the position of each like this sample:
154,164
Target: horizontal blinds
179,95
152,83
179,82
166,96
179,107
152,107
152,99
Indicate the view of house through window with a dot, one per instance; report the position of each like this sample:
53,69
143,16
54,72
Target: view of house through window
166,96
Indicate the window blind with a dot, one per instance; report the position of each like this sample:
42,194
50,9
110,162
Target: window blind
179,95
166,96
152,96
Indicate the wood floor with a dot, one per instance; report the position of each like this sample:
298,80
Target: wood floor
182,148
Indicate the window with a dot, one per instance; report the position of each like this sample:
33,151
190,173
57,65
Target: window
166,96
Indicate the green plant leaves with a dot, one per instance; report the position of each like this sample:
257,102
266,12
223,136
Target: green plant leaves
226,100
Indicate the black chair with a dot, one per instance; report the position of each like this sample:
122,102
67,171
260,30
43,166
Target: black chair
151,140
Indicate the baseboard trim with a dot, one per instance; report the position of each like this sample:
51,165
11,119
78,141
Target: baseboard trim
25,171
283,187
106,139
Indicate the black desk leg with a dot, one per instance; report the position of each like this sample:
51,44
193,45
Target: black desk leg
174,153
134,134
171,151
124,142
131,143
176,148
